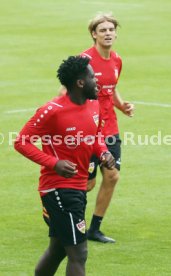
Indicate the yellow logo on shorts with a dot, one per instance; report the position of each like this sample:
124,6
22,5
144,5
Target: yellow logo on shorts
91,167
81,226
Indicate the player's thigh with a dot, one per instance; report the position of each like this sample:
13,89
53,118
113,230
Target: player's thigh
114,146
77,252
110,177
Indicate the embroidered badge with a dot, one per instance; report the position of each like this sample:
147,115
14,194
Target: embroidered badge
96,119
81,226
91,167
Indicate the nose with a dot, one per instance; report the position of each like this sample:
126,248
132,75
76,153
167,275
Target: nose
108,31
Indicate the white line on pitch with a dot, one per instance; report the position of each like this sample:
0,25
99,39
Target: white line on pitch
152,104
135,102
19,110
124,5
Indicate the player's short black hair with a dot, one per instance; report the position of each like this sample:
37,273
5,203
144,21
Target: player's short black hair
71,70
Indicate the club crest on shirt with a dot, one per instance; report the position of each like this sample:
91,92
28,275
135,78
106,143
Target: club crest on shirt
81,226
91,167
96,119
116,73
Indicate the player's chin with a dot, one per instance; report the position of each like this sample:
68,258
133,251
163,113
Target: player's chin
93,95
96,90
108,45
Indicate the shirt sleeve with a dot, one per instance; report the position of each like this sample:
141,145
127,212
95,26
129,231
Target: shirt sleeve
39,126
120,66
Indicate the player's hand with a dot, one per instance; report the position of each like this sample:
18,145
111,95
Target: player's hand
66,168
128,109
108,160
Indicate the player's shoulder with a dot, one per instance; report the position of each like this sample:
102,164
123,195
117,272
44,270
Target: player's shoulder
117,59
52,106
59,101
88,53
116,56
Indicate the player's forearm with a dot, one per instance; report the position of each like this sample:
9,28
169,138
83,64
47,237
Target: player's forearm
126,107
31,152
118,102
99,145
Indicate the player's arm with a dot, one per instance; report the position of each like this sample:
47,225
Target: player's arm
39,126
36,128
126,107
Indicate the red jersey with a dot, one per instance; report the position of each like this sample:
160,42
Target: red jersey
69,132
107,72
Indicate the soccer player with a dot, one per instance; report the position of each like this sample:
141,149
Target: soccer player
69,129
107,66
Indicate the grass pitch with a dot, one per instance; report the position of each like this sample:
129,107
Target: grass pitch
35,37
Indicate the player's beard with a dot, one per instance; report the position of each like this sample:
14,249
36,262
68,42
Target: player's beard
93,95
90,92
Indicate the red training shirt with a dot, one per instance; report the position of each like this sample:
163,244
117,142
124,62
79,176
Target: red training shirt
107,72
67,132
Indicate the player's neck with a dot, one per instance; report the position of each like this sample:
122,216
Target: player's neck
104,52
77,99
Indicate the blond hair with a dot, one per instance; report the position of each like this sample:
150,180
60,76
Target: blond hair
100,18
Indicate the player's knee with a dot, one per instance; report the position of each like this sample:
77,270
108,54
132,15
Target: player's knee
91,184
116,176
112,177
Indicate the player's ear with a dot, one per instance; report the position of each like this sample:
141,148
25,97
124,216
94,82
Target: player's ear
94,35
80,83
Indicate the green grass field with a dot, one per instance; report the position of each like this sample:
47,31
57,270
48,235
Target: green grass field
35,36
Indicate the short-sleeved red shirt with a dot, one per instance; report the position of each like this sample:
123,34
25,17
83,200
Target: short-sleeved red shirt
107,72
